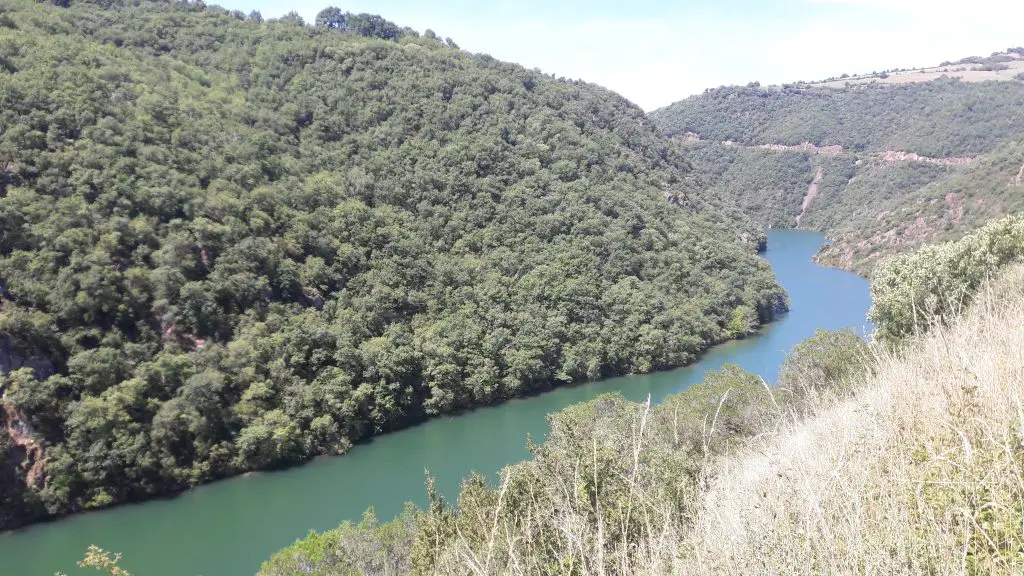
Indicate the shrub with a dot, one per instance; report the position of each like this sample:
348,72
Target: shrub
826,361
910,291
371,547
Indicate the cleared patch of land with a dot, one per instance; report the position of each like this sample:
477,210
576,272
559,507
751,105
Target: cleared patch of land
966,72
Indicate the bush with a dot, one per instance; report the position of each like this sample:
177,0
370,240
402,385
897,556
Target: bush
912,290
367,548
612,484
827,361
995,67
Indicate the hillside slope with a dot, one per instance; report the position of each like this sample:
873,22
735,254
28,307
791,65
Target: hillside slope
942,118
229,244
903,456
894,166
919,472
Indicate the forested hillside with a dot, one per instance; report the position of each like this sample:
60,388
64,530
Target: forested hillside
879,167
942,118
899,456
230,244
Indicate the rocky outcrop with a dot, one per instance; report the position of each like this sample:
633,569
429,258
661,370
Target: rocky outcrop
893,156
12,359
26,454
833,150
679,199
812,193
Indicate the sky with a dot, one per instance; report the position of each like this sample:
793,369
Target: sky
655,53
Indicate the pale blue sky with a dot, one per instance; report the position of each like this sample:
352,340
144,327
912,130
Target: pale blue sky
655,53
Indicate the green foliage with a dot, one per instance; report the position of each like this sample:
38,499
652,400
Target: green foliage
742,321
974,117
351,550
870,201
611,476
101,561
923,204
827,361
230,244
766,184
613,482
911,291
862,191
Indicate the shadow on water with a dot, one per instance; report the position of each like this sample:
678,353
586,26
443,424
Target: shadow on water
230,527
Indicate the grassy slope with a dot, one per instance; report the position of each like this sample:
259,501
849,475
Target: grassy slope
920,471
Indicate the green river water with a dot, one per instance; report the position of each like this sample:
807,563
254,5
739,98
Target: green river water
230,527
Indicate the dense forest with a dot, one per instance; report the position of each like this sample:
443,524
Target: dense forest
942,118
230,244
908,164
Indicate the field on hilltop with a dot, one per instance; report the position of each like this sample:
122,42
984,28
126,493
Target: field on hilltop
1000,66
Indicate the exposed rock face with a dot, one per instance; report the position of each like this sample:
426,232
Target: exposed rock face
893,156
23,454
833,150
27,453
11,360
679,199
812,192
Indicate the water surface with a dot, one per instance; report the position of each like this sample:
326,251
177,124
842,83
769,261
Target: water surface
230,527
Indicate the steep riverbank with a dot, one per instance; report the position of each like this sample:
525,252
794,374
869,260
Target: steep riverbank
230,527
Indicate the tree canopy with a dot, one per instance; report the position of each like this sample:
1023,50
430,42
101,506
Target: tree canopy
945,117
230,243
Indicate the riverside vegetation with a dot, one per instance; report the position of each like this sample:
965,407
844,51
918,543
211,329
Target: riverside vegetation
902,457
230,244
893,166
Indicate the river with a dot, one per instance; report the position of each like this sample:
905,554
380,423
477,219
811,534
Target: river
228,528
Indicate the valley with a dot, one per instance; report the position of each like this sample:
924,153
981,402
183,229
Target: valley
334,295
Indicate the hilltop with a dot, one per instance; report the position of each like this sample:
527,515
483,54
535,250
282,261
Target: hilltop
231,244
879,167
1000,65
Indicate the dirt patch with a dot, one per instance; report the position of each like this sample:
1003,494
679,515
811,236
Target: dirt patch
961,72
1020,176
894,156
956,207
833,150
812,193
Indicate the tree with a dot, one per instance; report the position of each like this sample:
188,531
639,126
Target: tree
292,17
331,17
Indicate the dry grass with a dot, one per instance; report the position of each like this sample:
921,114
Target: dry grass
918,472
960,71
